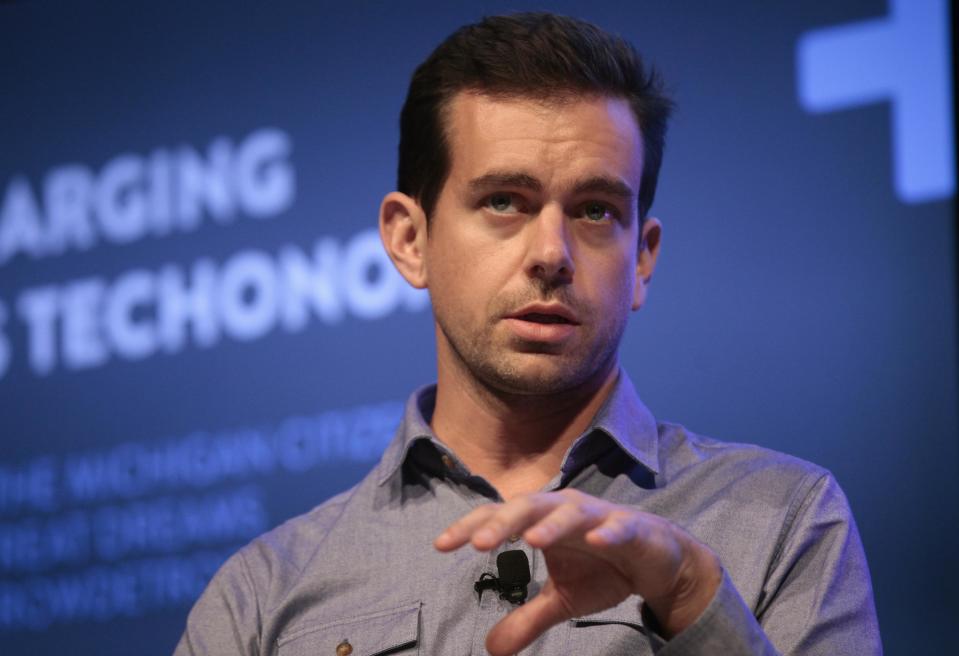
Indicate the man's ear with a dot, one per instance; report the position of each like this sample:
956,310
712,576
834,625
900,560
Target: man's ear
646,259
403,231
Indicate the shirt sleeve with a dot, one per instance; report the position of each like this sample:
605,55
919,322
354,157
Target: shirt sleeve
817,599
226,618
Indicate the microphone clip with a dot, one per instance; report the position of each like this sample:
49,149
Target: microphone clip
514,577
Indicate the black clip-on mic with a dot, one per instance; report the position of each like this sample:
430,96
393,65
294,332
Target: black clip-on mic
514,577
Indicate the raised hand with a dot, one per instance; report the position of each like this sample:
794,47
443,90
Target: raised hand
597,553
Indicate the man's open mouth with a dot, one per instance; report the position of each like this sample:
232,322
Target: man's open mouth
536,317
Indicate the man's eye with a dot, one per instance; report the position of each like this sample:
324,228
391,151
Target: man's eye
597,211
500,202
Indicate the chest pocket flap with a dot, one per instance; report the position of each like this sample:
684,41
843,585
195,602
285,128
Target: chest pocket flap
393,631
618,630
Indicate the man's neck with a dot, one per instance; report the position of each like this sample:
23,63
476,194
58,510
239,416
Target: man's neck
516,442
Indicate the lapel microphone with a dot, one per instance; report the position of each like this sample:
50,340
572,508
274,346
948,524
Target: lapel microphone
514,577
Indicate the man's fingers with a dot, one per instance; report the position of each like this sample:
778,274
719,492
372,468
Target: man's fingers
459,532
489,526
569,518
512,518
617,529
522,626
543,519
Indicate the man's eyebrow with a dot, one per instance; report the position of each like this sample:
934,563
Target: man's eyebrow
604,185
499,179
596,184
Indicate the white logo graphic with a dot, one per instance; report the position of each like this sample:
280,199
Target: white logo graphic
902,59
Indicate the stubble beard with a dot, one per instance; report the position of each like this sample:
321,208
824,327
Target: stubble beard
514,367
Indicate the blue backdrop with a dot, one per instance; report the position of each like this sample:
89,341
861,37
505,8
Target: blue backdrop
200,335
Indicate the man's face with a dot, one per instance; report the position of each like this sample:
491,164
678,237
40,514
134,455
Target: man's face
531,259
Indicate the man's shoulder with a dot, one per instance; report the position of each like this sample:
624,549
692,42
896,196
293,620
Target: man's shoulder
307,528
722,491
685,453
286,550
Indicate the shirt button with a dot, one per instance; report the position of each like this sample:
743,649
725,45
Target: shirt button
513,539
447,461
344,648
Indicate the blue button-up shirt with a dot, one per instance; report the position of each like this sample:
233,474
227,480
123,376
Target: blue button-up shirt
359,572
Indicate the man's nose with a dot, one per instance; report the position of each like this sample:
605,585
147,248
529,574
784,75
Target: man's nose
549,257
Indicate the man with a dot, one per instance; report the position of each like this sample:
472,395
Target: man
530,149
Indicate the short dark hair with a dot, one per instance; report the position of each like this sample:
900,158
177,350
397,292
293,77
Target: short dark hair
528,55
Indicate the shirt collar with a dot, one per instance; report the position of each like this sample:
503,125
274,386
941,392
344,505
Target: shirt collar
629,423
414,426
623,417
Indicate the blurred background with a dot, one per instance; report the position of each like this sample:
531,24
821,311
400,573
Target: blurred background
200,335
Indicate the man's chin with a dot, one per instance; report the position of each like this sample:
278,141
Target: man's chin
537,374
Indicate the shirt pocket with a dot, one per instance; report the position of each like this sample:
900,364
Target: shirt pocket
608,633
393,631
